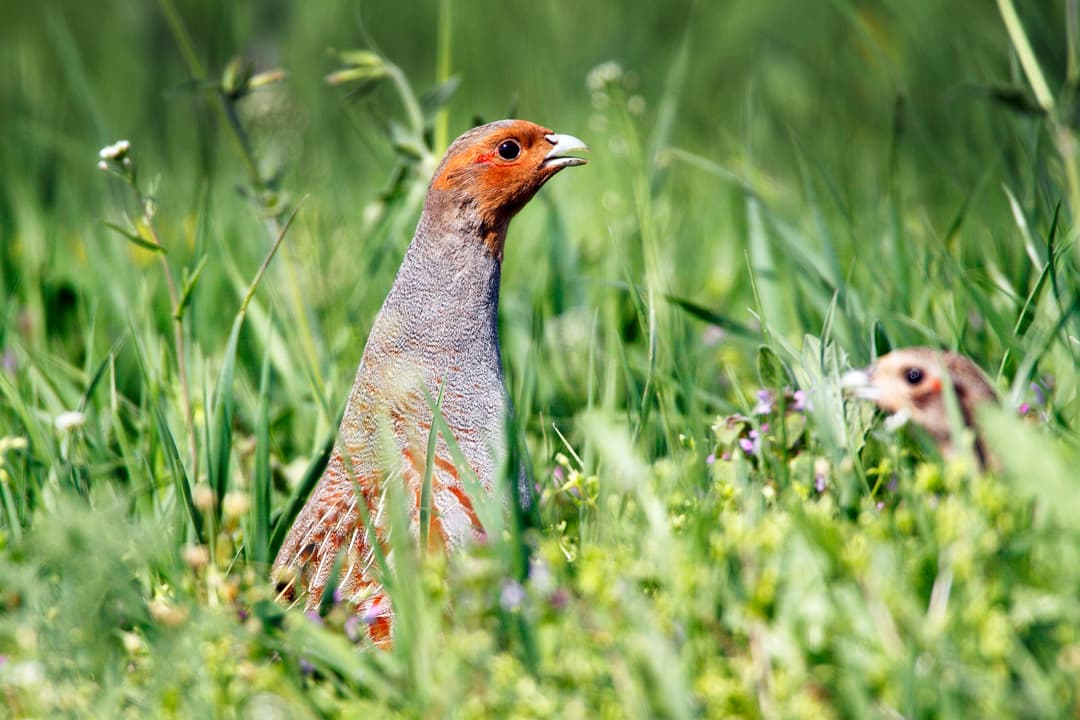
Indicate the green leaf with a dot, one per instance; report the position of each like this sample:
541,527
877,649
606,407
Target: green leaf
429,469
712,317
1016,99
437,97
1027,454
772,373
135,238
189,286
354,74
1026,55
223,418
360,58
176,468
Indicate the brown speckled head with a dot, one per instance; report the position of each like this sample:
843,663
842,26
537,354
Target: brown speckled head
911,381
492,171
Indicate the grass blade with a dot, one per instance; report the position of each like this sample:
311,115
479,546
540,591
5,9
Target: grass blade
260,506
300,494
176,467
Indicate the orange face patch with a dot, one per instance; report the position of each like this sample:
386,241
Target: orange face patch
484,151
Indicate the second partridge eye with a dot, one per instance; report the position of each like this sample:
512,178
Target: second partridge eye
914,376
509,150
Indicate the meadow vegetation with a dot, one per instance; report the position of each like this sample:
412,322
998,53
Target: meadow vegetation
777,191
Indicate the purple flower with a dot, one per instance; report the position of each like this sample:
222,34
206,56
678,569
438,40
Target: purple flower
726,457
893,484
512,596
352,627
242,614
764,403
1024,408
880,505
379,608
7,361
710,458
540,576
1040,395
314,617
339,595
819,483
306,667
800,402
712,335
558,474
559,598
751,445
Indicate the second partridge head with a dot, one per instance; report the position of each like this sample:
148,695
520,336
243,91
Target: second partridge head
911,381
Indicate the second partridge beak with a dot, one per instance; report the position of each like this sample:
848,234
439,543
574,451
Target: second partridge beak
860,384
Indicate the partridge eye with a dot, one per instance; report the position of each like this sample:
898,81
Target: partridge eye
914,376
509,149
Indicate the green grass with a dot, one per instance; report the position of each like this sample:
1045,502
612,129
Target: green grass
778,191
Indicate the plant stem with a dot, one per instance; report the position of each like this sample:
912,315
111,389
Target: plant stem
178,332
442,74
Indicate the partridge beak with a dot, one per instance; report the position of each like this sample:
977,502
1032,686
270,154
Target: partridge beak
860,384
557,157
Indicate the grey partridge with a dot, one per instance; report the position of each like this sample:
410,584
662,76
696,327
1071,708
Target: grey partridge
436,334
910,381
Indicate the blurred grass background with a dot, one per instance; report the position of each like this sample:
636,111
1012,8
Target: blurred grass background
776,191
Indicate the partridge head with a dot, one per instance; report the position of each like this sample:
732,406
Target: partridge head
912,382
435,336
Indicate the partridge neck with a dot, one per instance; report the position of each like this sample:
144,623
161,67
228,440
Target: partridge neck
449,280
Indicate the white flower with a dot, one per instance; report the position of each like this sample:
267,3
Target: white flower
196,556
69,420
115,151
102,165
602,75
236,504
26,673
203,497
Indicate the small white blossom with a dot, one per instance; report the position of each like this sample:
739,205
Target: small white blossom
196,556
115,151
102,165
512,596
203,497
602,75
132,643
25,674
236,504
70,420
